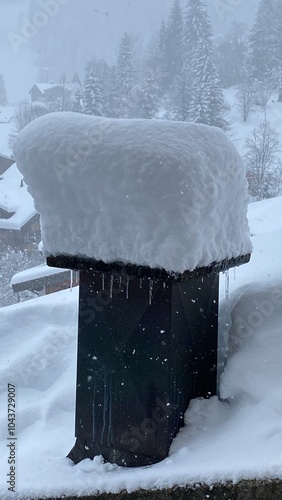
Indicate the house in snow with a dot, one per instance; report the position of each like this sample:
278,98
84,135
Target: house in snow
19,222
43,280
45,92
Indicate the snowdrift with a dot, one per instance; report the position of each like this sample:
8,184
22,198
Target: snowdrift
222,440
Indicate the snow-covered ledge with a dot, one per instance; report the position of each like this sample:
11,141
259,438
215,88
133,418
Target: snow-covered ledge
243,490
161,194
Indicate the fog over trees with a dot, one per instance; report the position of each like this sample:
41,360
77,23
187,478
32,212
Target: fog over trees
171,60
177,68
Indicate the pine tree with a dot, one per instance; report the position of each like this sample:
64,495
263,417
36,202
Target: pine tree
279,30
147,97
173,44
112,95
279,44
78,101
263,42
231,55
160,68
206,100
182,94
125,65
197,27
92,95
3,95
77,106
125,76
76,81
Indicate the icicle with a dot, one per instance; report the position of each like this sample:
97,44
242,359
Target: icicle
120,281
140,283
93,410
105,407
71,281
127,287
110,394
111,286
234,273
227,282
151,292
103,282
164,284
227,288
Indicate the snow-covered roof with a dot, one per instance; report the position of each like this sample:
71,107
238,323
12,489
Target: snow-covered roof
7,157
14,197
35,273
146,192
45,86
6,113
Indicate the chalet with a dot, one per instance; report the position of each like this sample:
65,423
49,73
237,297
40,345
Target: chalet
45,92
19,222
43,280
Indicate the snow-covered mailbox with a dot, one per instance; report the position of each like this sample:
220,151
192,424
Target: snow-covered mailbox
150,212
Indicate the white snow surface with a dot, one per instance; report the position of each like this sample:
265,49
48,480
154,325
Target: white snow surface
222,440
14,198
37,272
146,192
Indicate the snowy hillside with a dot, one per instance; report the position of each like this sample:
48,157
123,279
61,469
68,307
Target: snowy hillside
232,439
240,130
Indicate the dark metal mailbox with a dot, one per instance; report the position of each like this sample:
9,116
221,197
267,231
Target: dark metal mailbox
147,345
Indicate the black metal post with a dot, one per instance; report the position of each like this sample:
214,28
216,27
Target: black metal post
147,345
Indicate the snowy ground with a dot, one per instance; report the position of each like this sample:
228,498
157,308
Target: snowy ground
240,131
240,437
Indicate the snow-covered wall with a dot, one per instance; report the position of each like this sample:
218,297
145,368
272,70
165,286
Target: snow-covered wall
148,192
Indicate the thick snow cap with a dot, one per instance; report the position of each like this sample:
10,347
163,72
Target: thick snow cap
146,192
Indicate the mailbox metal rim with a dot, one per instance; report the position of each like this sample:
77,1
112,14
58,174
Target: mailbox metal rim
80,263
